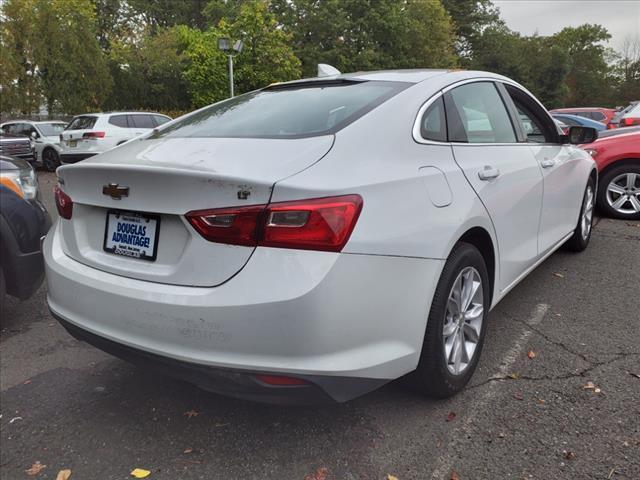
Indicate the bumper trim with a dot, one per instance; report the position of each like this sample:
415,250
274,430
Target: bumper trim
321,389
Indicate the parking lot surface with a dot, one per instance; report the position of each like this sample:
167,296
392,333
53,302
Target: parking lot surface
556,395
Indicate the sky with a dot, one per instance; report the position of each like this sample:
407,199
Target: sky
620,17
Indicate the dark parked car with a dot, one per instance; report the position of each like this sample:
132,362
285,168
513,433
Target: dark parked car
17,146
23,222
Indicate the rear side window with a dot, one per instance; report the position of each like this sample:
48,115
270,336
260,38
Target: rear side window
141,121
477,114
433,125
119,121
83,122
160,120
599,116
304,109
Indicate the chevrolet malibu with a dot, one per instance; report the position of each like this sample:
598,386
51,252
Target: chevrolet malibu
314,240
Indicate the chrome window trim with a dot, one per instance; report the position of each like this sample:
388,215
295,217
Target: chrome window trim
417,135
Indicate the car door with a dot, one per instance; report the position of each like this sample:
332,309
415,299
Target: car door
142,123
560,165
502,171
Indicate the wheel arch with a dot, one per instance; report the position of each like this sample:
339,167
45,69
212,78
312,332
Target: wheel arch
480,238
618,163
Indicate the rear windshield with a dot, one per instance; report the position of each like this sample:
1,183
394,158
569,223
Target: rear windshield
83,122
287,111
51,129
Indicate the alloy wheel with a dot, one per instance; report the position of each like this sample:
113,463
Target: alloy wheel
587,213
463,320
623,193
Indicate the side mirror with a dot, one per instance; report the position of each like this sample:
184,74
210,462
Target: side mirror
34,135
579,135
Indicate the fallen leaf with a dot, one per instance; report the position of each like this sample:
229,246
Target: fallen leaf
558,314
613,470
140,473
634,374
188,450
518,396
191,413
451,416
454,475
14,419
501,435
321,474
26,382
596,390
514,376
531,354
589,386
391,477
569,455
64,474
35,469
559,275
541,401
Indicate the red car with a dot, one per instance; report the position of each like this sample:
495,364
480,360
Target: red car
618,160
603,115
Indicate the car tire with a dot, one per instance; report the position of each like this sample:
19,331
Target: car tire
50,159
436,374
615,178
582,233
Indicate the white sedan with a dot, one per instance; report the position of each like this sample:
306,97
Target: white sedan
317,239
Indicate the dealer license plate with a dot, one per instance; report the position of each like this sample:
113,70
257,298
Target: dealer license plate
132,234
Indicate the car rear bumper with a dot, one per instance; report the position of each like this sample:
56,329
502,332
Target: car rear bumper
357,319
67,158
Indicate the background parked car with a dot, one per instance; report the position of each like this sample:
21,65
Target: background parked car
603,115
618,160
23,222
88,135
17,146
577,120
618,131
631,117
615,121
46,138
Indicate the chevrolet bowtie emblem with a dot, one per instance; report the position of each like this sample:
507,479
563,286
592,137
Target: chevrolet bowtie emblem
115,191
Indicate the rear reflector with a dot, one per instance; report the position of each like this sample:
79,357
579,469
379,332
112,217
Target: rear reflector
277,380
64,204
317,224
93,135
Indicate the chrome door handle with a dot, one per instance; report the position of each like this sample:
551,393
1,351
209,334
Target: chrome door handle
546,163
488,173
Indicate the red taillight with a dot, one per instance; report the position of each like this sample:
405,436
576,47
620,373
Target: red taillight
316,224
86,135
63,203
235,226
628,122
280,381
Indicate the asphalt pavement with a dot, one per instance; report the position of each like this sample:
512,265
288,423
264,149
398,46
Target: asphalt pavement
556,396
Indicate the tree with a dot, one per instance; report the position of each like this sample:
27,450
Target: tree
158,14
20,86
148,74
368,34
626,72
54,45
70,63
470,19
588,76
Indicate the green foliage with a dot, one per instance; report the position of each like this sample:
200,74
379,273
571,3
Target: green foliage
81,55
54,44
368,34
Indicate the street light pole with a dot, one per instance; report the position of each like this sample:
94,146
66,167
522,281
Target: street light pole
224,44
231,75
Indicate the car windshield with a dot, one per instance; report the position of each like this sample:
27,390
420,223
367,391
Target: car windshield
83,122
287,111
51,129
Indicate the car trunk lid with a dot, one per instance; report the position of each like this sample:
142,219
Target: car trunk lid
167,178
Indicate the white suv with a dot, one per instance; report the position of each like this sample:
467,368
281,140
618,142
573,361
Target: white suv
94,133
44,135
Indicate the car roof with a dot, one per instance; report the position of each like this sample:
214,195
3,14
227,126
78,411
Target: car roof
94,114
35,122
407,76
